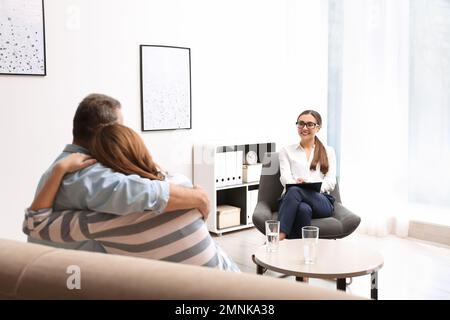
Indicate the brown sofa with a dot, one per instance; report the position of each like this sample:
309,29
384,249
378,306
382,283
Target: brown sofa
32,271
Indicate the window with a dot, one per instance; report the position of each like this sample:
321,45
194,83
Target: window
389,104
429,103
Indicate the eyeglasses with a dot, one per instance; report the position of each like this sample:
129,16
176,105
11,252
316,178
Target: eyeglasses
309,125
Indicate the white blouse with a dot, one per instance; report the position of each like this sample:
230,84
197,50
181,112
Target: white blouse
294,164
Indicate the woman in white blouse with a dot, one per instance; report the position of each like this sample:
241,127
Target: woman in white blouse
307,161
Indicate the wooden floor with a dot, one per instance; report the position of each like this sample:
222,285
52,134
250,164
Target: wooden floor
413,269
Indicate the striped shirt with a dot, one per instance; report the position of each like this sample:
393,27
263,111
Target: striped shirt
179,236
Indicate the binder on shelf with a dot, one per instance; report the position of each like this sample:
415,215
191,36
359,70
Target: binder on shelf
221,169
251,204
238,166
230,167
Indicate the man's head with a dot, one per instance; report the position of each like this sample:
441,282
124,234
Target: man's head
94,111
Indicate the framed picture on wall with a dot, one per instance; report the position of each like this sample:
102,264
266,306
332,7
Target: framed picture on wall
165,88
22,37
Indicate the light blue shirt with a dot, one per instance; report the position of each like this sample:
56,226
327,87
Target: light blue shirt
99,188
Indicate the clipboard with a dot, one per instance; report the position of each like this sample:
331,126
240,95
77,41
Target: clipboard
315,186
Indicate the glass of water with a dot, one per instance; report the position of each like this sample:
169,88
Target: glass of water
310,235
272,235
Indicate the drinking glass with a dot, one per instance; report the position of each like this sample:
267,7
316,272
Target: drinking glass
310,235
272,235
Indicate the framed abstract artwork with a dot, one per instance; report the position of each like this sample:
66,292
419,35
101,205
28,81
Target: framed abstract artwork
166,102
22,37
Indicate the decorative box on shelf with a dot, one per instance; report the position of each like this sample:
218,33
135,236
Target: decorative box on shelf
228,216
251,172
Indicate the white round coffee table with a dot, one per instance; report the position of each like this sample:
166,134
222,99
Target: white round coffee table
336,259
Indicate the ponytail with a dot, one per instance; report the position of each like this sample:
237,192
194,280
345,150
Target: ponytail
320,157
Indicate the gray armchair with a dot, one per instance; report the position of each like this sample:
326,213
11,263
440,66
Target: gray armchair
342,223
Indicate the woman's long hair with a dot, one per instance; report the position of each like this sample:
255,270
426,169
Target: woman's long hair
320,154
122,149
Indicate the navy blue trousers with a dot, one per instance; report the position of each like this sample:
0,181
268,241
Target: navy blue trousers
298,206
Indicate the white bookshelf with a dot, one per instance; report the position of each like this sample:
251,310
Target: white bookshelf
238,195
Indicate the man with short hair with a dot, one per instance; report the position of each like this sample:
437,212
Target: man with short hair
98,188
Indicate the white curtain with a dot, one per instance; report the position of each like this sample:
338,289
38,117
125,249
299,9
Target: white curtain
429,138
374,113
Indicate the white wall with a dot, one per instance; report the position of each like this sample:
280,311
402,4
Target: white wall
255,65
